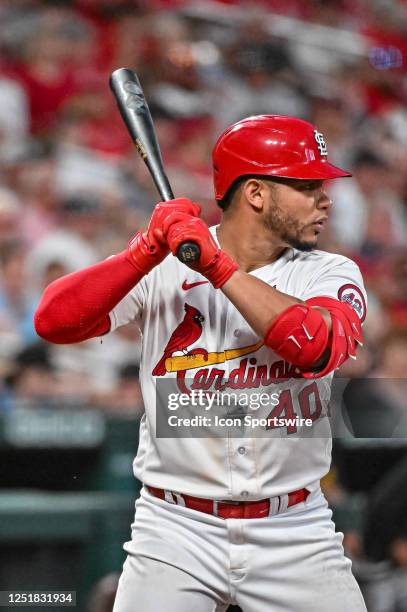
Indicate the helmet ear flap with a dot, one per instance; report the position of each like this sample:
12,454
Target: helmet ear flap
225,202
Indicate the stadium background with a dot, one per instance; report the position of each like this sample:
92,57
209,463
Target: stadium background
73,190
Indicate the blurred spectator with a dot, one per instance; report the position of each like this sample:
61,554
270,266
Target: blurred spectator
70,243
126,396
16,305
334,120
31,175
95,364
10,218
260,77
396,299
45,61
13,118
368,216
32,378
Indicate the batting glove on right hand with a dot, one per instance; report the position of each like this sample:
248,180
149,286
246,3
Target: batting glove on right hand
216,265
147,249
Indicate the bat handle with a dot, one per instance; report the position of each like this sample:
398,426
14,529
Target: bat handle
188,252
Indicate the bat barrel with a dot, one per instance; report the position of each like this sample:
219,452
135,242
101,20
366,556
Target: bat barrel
135,113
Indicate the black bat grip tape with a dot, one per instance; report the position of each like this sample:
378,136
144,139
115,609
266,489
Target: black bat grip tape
188,252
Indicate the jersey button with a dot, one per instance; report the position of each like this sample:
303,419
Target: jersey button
244,493
236,333
241,450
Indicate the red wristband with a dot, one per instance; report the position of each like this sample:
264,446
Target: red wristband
220,269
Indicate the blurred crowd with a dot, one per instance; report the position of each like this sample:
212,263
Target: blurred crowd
73,190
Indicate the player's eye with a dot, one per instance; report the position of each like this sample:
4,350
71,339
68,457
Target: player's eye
311,186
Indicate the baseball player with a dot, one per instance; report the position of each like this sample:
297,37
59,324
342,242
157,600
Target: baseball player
233,519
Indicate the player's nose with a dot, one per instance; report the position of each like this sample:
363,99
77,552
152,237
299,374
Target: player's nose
324,202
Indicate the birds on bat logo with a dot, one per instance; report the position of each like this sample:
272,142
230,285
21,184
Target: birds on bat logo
248,374
187,333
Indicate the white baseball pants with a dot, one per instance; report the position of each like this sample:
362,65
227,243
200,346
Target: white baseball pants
181,560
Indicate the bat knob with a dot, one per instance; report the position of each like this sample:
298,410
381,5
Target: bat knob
188,252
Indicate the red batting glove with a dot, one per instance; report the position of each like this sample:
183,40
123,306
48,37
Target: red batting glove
213,263
146,250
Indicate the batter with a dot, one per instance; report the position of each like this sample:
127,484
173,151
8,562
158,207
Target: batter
234,518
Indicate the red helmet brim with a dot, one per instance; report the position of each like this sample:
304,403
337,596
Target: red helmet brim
320,169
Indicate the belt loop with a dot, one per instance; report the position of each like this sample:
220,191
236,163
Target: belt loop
179,498
283,503
274,504
215,508
168,497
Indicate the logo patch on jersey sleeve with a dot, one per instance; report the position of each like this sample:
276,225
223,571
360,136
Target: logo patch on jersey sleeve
352,295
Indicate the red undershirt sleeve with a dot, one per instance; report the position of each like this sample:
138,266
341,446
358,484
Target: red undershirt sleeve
76,307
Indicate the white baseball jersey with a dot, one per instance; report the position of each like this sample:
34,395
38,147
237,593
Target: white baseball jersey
230,355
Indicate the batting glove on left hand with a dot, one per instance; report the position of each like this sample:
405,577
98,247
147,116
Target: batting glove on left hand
147,249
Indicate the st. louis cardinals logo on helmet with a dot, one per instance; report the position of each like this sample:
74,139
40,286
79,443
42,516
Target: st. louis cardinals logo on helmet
320,140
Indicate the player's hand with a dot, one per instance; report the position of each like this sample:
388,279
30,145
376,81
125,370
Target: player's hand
147,249
214,264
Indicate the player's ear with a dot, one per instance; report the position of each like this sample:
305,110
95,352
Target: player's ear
254,191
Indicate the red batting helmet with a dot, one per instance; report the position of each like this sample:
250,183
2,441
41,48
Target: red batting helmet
273,145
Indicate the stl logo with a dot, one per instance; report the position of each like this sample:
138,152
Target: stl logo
320,140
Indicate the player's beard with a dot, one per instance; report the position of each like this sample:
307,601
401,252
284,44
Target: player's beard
288,230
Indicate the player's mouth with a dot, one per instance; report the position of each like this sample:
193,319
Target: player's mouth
319,224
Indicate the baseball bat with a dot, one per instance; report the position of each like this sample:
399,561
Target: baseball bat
135,113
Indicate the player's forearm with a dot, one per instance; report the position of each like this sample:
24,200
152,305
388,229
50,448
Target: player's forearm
259,303
76,307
